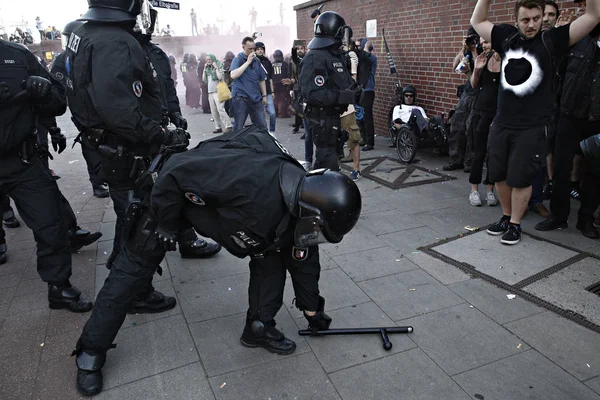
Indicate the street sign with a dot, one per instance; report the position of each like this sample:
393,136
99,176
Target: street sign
170,5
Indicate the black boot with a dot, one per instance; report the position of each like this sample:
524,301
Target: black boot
587,228
101,191
89,372
11,222
3,250
259,334
320,321
67,296
151,303
79,238
198,248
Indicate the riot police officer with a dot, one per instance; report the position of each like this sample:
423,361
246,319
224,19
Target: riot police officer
190,246
247,193
24,177
114,100
327,86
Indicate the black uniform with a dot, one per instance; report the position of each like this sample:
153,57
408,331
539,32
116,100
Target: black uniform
91,155
22,174
328,88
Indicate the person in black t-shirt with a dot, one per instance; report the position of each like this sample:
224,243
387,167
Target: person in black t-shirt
517,141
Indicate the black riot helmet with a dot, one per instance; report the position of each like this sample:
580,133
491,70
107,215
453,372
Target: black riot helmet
329,30
112,10
329,205
66,32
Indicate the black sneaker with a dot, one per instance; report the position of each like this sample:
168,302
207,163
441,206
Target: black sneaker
500,227
512,235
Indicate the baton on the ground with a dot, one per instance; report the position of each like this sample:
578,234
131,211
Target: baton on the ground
387,345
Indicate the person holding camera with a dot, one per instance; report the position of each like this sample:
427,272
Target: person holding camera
580,119
459,143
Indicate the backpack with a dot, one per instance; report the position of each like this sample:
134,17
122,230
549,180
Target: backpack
364,68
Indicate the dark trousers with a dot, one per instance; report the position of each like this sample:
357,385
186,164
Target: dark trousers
369,127
568,135
308,142
242,107
267,282
94,164
6,212
129,277
297,122
38,200
281,104
480,128
537,187
460,145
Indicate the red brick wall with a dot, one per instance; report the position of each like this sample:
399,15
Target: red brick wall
424,37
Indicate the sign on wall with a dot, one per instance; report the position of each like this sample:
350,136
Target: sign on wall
170,5
371,28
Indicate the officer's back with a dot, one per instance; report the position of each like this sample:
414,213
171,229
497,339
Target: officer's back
112,80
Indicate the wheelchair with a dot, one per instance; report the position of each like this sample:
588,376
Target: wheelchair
409,138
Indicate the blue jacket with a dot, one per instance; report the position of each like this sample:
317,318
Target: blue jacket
371,83
247,85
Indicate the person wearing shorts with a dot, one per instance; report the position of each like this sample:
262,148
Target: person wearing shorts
348,124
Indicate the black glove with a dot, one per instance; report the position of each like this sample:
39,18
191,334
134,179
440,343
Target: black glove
166,238
38,88
358,95
4,92
59,141
178,120
177,137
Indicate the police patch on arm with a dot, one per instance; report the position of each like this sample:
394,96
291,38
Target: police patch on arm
319,79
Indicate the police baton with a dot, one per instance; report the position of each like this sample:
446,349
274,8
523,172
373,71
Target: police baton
387,345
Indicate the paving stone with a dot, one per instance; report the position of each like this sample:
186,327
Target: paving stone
12,267
339,352
594,384
10,280
212,299
187,382
109,214
17,391
218,343
443,272
108,230
527,375
24,322
30,302
186,271
299,377
31,286
570,346
20,343
62,321
18,369
492,301
380,223
149,349
104,249
571,236
445,190
413,203
408,294
359,239
60,344
566,289
410,373
6,295
374,263
335,286
410,240
56,379
373,205
448,222
461,338
509,264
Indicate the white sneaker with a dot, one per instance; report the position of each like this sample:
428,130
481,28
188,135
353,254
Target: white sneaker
475,199
491,199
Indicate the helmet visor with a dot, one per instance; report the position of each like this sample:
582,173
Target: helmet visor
309,227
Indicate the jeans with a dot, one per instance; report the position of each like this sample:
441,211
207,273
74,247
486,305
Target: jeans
308,143
242,107
271,111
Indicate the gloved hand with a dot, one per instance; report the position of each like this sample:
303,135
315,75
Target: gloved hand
38,88
4,92
166,238
59,141
177,137
178,120
358,94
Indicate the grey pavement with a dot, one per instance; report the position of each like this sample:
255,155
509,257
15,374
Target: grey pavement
470,340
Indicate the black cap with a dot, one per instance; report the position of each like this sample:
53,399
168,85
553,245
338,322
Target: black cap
260,45
471,31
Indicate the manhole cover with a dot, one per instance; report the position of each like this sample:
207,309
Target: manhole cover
395,175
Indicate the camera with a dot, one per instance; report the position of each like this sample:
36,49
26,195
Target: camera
591,147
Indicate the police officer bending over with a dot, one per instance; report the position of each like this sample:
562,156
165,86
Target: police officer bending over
24,177
247,193
327,86
190,246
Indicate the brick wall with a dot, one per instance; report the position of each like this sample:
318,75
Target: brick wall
424,37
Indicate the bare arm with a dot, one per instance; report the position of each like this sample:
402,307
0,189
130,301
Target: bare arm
457,59
480,21
263,87
583,25
476,78
236,73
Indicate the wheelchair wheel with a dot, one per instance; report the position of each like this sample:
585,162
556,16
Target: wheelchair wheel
392,131
406,144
